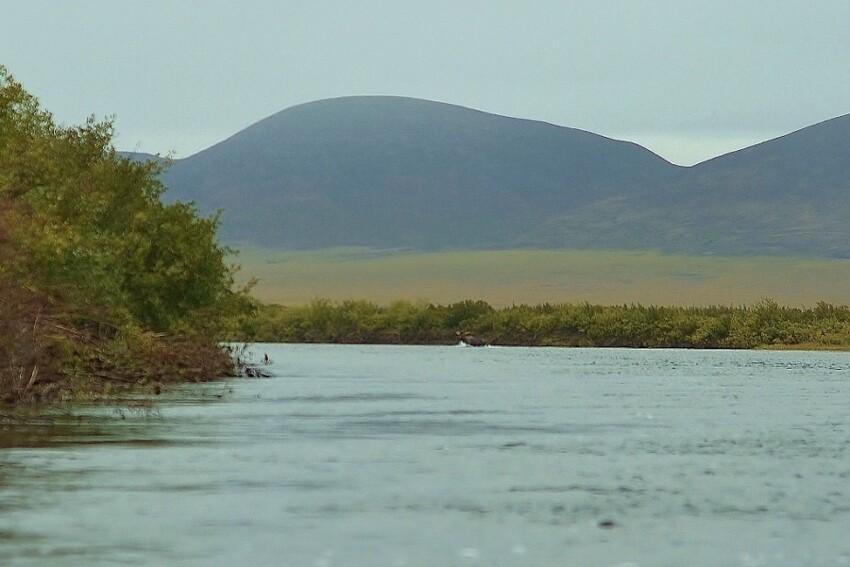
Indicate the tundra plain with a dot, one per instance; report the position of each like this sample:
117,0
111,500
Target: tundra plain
506,277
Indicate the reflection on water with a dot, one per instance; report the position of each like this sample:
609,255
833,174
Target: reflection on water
56,430
448,456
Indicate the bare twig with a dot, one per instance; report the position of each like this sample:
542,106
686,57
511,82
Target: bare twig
37,318
68,330
33,377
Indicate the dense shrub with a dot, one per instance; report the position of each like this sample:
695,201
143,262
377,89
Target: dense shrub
86,244
764,324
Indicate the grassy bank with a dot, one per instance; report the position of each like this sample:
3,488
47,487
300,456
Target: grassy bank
507,277
762,325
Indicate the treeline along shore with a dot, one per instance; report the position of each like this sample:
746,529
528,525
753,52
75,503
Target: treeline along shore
103,287
763,325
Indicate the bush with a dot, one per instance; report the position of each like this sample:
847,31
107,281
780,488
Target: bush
764,324
83,230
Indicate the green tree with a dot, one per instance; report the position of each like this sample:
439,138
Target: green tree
84,229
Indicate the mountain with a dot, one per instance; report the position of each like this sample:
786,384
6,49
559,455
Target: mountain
392,171
789,195
401,172
811,163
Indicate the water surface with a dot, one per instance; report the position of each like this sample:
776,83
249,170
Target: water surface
377,455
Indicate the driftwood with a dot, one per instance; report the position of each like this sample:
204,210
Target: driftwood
252,371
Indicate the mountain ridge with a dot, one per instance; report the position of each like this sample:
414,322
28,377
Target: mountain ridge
405,172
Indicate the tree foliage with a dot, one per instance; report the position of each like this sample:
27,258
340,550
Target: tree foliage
84,227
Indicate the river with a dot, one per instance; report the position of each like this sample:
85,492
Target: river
427,456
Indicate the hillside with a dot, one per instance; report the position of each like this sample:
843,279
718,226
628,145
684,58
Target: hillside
399,172
407,173
789,195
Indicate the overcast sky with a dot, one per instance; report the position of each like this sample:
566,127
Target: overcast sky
688,79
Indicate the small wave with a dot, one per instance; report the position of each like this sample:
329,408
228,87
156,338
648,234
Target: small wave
363,397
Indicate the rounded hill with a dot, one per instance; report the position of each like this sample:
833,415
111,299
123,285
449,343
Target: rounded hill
404,172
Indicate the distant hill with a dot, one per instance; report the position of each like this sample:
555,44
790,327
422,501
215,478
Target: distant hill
401,172
390,171
790,195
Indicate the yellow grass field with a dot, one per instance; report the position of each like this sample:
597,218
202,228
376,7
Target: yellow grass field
506,277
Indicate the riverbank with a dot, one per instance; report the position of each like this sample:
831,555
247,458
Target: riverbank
104,287
764,325
51,357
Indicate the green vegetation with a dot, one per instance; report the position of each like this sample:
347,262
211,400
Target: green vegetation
568,297
506,277
765,324
105,288
102,286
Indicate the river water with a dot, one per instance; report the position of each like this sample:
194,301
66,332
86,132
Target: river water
432,456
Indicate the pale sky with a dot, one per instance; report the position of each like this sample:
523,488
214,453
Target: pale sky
687,79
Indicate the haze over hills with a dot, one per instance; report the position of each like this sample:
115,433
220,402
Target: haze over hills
400,172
